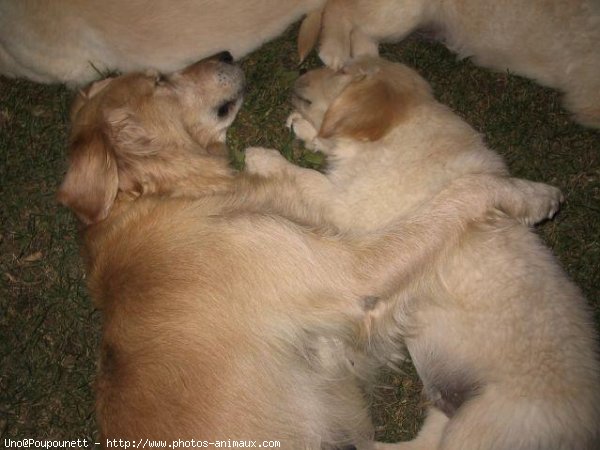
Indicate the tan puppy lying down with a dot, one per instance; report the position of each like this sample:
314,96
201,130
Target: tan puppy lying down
502,340
223,313
555,42
70,41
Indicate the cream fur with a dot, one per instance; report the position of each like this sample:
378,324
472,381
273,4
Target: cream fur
69,41
501,338
555,42
224,315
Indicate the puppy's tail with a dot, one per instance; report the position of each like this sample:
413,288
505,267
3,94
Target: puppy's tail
310,29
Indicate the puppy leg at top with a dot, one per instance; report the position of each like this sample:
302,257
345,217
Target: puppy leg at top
335,48
360,23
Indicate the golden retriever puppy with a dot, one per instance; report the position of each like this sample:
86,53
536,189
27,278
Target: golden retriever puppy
71,41
501,338
555,42
222,318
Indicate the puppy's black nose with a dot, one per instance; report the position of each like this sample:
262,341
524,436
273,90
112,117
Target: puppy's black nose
224,57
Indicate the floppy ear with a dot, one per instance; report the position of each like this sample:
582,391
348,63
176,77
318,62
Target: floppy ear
128,135
133,143
366,110
90,185
309,33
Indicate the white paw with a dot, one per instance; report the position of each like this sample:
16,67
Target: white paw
336,47
301,127
264,161
546,203
332,56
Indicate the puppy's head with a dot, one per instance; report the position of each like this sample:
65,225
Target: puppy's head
150,133
362,101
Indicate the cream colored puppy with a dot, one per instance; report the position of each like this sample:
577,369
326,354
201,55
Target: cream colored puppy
73,41
501,338
555,42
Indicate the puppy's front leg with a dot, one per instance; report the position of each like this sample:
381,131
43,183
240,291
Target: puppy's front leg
410,248
309,185
295,192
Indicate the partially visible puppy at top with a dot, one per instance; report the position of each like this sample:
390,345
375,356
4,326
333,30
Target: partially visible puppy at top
75,41
554,42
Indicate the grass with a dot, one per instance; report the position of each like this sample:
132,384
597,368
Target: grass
48,326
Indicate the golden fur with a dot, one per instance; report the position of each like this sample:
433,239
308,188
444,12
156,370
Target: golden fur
554,42
224,315
71,41
501,338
